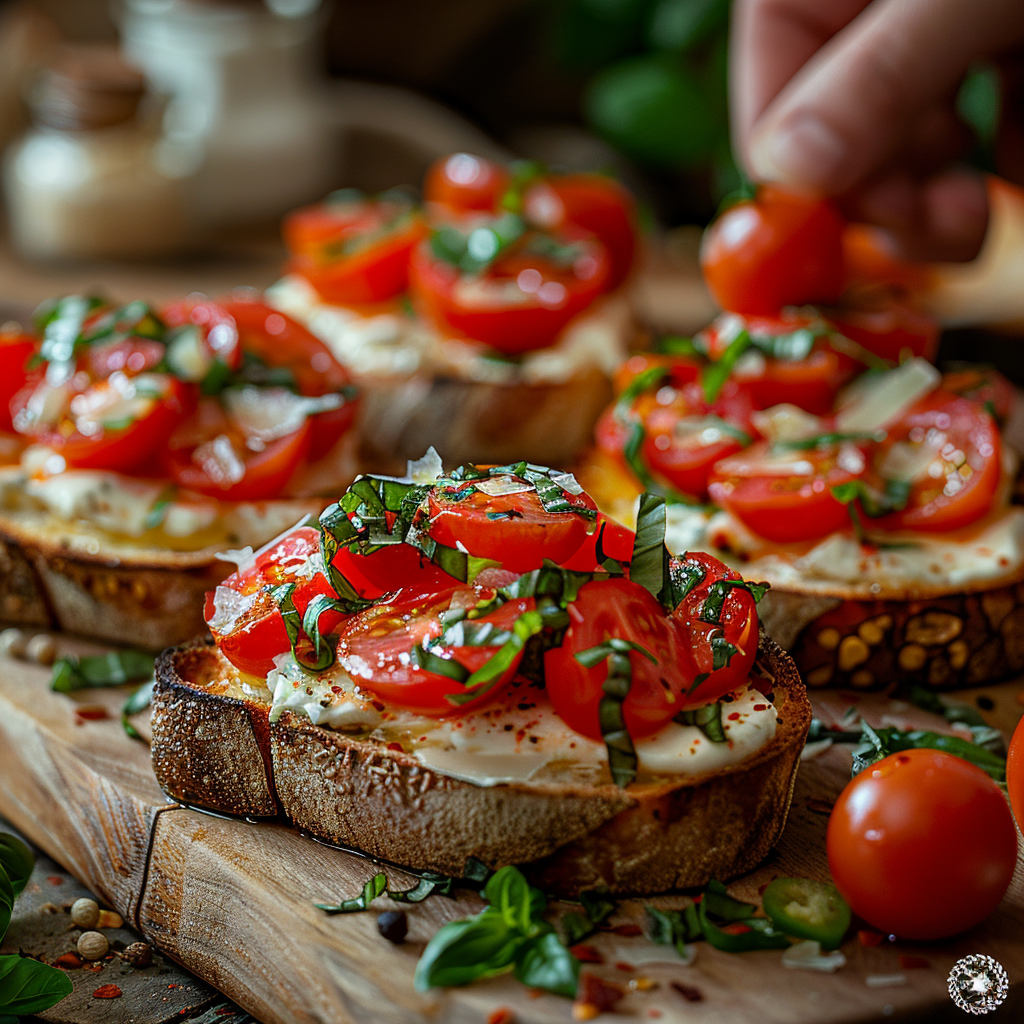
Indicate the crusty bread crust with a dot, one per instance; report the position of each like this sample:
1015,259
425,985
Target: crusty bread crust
674,833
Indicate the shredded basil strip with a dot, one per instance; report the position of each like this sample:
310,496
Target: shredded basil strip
374,887
964,714
60,323
874,504
707,718
711,610
324,654
714,375
110,669
673,345
622,759
826,440
668,580
424,658
319,604
158,511
597,907
138,701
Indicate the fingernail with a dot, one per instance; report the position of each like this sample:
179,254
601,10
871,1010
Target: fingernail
804,150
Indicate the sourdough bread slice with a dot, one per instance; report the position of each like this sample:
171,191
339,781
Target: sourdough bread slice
213,748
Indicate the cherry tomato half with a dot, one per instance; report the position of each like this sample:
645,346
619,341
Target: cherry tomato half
523,300
787,496
616,543
736,625
948,449
513,529
375,648
245,621
890,328
1015,772
922,844
354,251
463,183
15,351
390,568
619,608
780,249
984,385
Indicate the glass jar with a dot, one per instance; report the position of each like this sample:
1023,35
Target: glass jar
88,179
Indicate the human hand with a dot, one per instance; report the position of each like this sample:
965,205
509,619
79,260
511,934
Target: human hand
855,99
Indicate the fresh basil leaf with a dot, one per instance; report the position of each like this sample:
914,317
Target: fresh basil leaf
640,384
110,669
28,986
465,951
597,905
543,962
6,901
60,323
373,888
17,860
576,927
430,884
593,656
792,346
673,927
714,375
649,565
138,701
475,873
508,893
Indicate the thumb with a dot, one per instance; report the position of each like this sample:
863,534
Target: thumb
851,106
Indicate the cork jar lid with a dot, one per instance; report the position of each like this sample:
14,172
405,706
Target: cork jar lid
87,86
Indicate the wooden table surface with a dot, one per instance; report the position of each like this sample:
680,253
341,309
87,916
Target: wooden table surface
233,901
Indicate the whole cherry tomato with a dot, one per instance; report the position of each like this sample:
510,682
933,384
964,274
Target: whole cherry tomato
922,844
463,183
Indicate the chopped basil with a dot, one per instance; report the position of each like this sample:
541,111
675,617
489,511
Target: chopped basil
60,322
425,659
474,251
673,927
873,503
734,929
827,440
677,346
510,934
110,669
707,718
429,884
524,174
964,714
158,510
138,701
714,375
793,346
373,888
711,610
324,654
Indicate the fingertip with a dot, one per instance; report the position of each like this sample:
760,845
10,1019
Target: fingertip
954,208
803,150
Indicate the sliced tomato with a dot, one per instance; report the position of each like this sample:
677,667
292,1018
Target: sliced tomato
209,453
138,355
780,249
718,623
354,251
948,450
684,436
986,386
216,328
523,300
616,542
619,608
593,202
793,359
679,370
463,183
787,496
390,568
890,327
117,424
244,619
376,648
16,349
513,529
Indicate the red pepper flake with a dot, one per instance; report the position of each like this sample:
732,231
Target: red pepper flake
870,938
174,986
621,965
760,707
734,716
68,961
594,996
910,963
55,880
503,1015
628,930
817,806
90,713
688,992
107,992
396,746
586,954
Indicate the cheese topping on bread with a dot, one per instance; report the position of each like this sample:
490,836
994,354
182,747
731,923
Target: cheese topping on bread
519,739
394,344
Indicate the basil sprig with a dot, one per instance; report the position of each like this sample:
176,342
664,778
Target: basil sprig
110,669
510,934
596,908
622,759
26,986
429,884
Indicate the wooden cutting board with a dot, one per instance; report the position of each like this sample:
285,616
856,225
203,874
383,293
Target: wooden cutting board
233,901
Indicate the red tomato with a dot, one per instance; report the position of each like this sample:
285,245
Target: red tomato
867,253
463,183
218,332
524,299
390,568
958,483
1015,772
15,351
247,623
594,202
354,252
986,386
138,355
684,436
619,608
781,249
116,424
810,382
922,844
680,369
513,529
375,648
737,624
894,329
616,542
787,497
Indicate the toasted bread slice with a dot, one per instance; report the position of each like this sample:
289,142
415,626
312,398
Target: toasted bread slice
213,748
863,635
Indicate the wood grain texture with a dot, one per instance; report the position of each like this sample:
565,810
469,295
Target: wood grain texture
232,901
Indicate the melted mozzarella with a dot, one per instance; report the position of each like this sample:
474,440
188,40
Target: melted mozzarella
519,740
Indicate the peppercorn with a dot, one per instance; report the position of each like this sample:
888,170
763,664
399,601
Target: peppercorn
92,946
393,925
139,954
